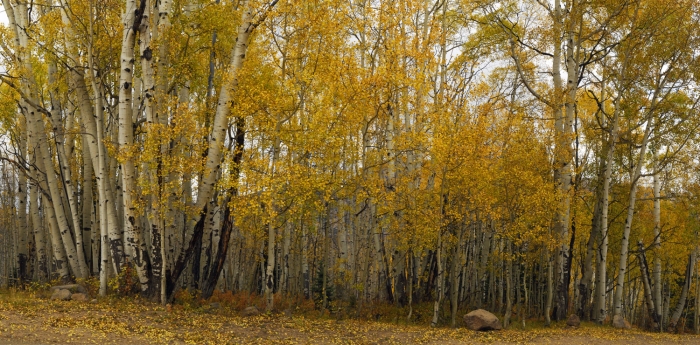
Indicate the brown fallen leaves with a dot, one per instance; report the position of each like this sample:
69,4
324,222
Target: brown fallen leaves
28,320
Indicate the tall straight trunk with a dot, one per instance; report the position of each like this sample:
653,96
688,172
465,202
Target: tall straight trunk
619,286
286,244
586,282
509,286
550,291
440,279
696,310
86,222
133,234
601,270
657,237
38,231
306,280
563,139
22,227
454,278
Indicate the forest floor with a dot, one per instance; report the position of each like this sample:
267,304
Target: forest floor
30,319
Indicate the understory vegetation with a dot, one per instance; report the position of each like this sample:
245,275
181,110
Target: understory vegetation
406,161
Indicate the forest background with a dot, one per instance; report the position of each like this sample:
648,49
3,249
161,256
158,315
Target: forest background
534,158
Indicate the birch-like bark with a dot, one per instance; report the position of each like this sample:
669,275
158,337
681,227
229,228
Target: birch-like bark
63,165
133,234
18,20
617,300
657,237
87,224
673,322
644,270
93,140
22,226
38,231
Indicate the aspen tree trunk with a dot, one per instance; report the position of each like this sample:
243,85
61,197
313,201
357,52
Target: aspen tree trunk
454,278
93,141
601,271
271,225
133,234
287,242
18,19
38,231
219,131
438,256
696,310
673,322
583,309
617,300
550,291
657,238
306,284
562,174
86,224
23,229
648,300
64,167
509,285
440,279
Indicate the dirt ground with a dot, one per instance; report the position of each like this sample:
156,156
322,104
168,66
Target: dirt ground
34,321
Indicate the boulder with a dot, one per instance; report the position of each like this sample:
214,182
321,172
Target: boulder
215,305
620,322
73,288
250,311
61,295
481,320
80,297
573,321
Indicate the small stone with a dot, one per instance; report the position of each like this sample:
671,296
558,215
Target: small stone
215,305
94,300
250,311
573,321
482,320
61,295
73,288
80,297
620,322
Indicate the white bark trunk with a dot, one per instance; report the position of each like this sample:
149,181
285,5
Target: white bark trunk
133,234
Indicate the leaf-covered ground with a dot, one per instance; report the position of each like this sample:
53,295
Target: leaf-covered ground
32,321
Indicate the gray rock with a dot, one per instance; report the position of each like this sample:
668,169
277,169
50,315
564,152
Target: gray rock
73,288
620,322
215,305
61,295
80,297
250,311
481,320
573,321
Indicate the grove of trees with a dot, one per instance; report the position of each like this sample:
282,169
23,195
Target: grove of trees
536,158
